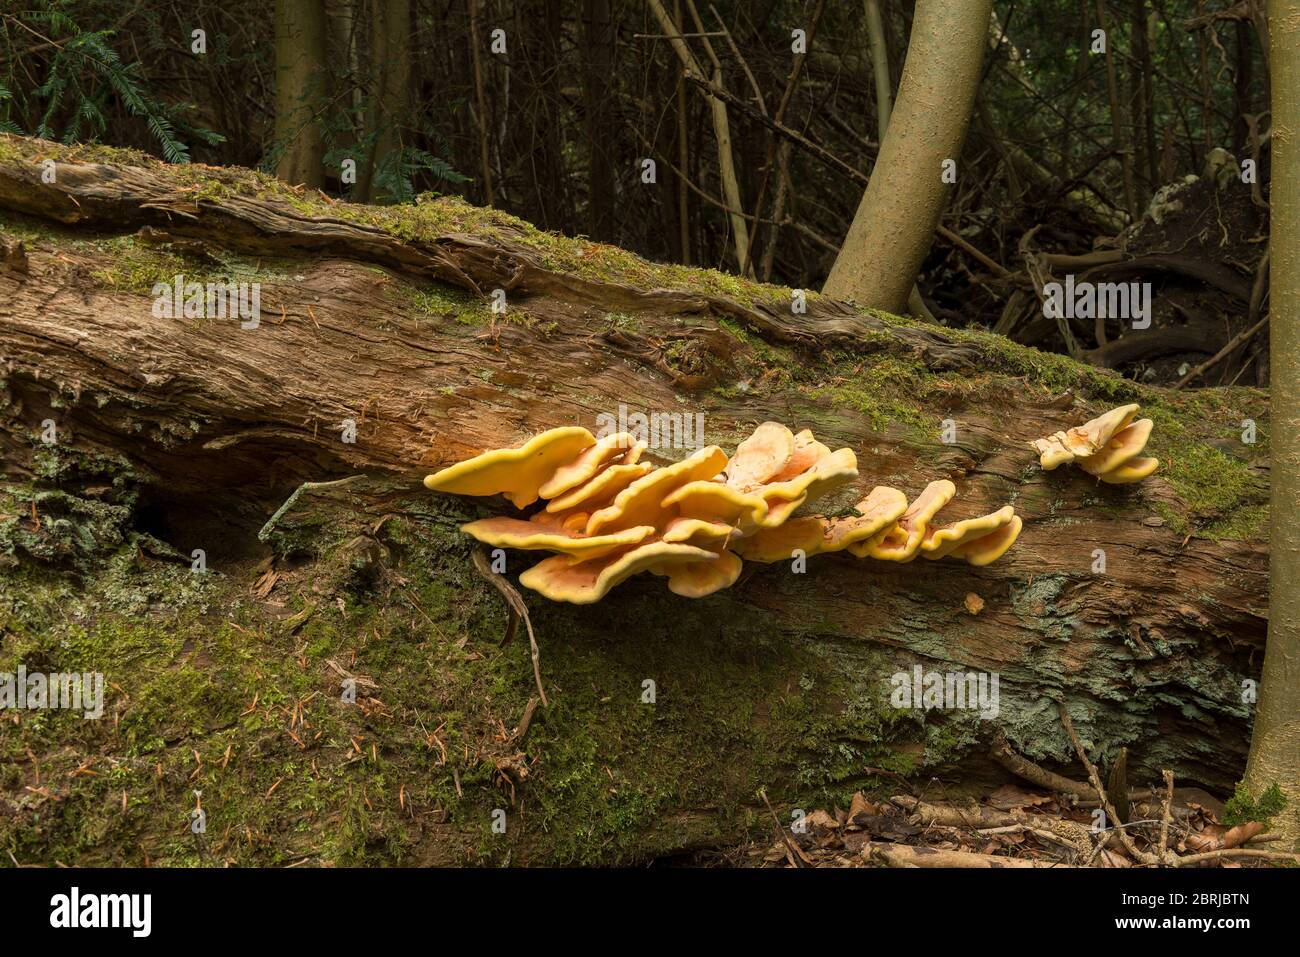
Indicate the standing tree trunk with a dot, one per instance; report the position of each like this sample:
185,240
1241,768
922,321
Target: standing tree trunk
1275,742
600,172
299,69
879,65
1117,117
894,225
721,132
390,70
480,103
345,92
884,107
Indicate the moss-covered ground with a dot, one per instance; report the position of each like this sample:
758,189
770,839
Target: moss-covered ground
231,700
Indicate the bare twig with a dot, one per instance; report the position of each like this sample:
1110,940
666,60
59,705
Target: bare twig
1124,837
516,603
795,854
1166,816
265,533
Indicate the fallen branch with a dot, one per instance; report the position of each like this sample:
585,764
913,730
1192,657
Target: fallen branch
902,855
265,533
1026,769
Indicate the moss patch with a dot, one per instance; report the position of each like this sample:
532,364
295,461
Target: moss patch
214,689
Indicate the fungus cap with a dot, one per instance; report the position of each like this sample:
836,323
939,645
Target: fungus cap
561,578
507,532
1084,440
815,534
761,456
516,473
715,502
603,486
948,539
807,451
902,541
620,445
698,532
1134,470
1127,444
641,503
991,547
696,579
831,471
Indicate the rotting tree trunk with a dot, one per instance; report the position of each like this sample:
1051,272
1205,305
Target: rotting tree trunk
1149,654
894,225
1275,746
300,30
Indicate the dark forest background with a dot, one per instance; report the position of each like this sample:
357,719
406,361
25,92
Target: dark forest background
1071,153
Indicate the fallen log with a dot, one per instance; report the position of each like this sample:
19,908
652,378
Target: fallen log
378,352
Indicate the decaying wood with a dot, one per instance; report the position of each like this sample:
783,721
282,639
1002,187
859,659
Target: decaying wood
1149,654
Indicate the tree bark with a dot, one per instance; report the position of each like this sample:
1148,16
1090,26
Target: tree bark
894,226
1275,746
300,29
1149,654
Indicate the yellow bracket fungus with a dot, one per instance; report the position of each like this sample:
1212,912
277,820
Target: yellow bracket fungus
697,579
1108,447
507,532
715,502
901,541
641,503
610,516
962,539
561,578
815,535
518,474
600,489
620,446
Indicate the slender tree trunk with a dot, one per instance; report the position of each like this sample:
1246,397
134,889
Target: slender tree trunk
1117,117
1243,84
894,225
1275,742
345,92
480,103
390,70
599,63
879,45
299,72
683,162
721,133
